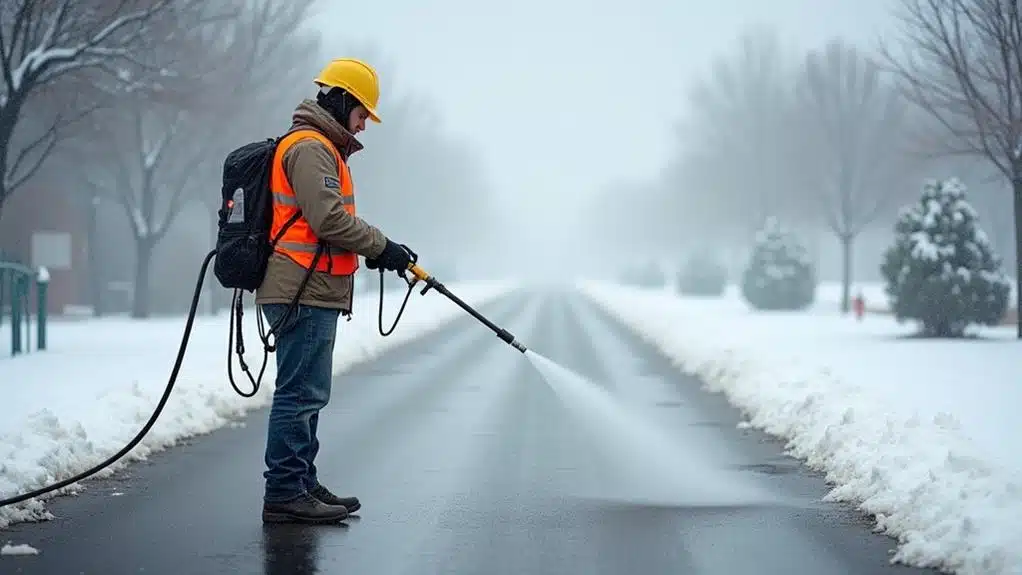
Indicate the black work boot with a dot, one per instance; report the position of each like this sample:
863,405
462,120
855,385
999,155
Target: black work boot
323,494
304,509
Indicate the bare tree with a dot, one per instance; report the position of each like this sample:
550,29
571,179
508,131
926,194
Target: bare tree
962,63
42,41
156,147
237,59
739,128
155,173
851,133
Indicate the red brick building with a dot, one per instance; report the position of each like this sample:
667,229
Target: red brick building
40,226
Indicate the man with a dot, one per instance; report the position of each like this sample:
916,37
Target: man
313,192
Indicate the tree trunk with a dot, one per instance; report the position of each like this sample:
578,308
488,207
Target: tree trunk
9,114
1017,190
96,298
846,271
140,306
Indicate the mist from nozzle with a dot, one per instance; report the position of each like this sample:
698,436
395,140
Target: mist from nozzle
640,464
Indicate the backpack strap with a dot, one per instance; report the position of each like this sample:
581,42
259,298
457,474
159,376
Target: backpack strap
283,229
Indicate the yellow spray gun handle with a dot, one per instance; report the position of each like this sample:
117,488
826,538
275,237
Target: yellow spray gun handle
418,272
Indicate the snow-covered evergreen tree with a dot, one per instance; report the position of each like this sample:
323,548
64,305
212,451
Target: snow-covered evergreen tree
780,274
942,270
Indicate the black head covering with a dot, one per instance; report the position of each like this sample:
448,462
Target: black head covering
339,103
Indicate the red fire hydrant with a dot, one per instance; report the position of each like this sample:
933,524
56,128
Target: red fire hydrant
859,306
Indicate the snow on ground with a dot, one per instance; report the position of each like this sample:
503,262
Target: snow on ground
70,407
924,434
22,549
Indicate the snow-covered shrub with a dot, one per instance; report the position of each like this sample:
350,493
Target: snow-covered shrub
941,269
780,275
703,274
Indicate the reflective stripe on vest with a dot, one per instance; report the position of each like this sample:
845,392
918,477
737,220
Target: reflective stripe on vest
299,242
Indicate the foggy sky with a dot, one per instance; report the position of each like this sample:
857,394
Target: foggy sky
562,97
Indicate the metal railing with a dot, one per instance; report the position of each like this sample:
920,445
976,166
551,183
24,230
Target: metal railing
16,282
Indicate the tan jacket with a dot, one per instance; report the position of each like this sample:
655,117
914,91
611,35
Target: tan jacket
306,165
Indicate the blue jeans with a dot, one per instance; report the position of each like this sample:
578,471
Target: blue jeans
305,347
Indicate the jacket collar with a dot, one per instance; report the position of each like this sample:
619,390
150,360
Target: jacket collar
309,114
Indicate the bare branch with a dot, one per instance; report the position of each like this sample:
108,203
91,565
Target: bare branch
961,63
42,41
48,137
44,144
13,183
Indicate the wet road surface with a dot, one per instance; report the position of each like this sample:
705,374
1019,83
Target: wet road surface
463,458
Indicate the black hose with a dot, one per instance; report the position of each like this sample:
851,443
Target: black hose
152,420
411,286
268,348
238,310
235,322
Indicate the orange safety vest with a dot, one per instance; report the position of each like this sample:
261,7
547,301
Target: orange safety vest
299,242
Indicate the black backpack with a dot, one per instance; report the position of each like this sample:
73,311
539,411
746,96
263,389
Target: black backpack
246,213
243,243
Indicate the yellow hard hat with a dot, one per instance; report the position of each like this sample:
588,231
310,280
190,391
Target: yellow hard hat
355,76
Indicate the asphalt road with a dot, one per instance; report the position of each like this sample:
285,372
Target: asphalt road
464,461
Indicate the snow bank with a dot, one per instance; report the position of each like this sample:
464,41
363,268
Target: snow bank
923,434
68,408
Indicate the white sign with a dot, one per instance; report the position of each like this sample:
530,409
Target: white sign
51,250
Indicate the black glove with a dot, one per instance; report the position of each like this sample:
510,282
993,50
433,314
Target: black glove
395,257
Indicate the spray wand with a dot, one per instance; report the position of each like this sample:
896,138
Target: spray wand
431,282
